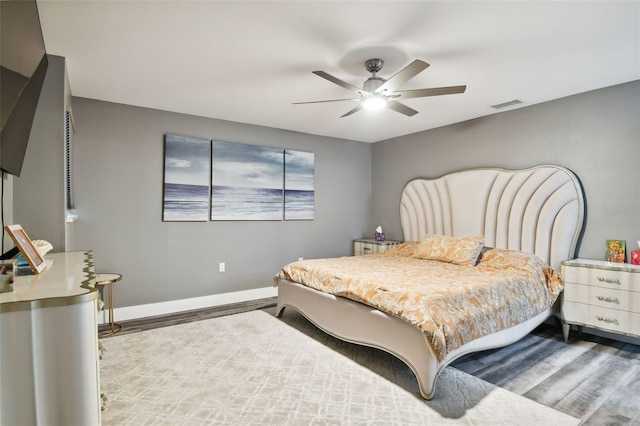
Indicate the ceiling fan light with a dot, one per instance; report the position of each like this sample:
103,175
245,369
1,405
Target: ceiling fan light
374,103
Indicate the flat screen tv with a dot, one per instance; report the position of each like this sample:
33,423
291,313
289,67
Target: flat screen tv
23,66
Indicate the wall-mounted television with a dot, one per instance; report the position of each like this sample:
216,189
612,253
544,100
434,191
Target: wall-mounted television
23,66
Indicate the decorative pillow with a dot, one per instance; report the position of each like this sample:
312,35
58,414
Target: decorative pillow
458,250
406,249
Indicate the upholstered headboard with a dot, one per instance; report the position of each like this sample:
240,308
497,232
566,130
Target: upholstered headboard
538,210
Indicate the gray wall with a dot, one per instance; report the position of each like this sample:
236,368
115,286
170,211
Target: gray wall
595,134
118,190
38,194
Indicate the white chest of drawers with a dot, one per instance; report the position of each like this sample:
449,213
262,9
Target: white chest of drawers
371,246
601,295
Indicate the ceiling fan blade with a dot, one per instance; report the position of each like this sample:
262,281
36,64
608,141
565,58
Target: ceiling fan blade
402,76
340,82
329,100
401,108
435,91
353,111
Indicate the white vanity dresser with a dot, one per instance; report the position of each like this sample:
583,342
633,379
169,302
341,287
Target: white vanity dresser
601,295
49,371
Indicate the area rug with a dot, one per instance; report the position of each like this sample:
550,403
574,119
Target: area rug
255,369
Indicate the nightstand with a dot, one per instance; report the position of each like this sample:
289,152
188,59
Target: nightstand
601,295
372,246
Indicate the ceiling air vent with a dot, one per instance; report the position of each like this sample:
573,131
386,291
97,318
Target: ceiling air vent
506,104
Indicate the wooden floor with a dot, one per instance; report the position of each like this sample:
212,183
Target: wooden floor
592,378
150,323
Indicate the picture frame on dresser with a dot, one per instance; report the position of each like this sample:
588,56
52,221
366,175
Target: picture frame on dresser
26,247
616,251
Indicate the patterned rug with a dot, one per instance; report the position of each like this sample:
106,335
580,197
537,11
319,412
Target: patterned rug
255,369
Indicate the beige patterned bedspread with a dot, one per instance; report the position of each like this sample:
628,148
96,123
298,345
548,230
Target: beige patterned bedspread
451,304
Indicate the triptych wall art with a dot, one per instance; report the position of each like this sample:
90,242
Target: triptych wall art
215,180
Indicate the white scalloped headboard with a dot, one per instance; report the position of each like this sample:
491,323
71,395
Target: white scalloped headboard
538,210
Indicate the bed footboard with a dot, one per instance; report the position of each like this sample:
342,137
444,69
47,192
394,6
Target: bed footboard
358,323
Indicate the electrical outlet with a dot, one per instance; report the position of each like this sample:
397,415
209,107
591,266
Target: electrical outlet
221,267
301,258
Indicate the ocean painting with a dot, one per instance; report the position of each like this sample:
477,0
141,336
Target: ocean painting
246,182
299,186
186,178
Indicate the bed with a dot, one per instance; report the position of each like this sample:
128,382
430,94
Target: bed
533,215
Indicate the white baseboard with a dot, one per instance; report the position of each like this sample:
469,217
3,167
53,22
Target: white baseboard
173,306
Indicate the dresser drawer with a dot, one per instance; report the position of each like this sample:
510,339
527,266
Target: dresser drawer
606,278
603,318
602,297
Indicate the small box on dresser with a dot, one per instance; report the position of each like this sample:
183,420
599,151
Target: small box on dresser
601,295
371,246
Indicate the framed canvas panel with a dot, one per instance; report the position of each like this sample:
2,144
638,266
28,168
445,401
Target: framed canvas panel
26,247
187,171
299,185
246,182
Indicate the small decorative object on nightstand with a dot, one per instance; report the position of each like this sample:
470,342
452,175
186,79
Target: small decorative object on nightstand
7,268
635,256
602,295
371,246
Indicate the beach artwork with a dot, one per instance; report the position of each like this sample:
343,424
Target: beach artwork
246,182
186,178
299,193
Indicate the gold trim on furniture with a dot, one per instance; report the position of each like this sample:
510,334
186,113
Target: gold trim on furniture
88,292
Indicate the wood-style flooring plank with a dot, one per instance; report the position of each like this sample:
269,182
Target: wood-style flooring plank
623,406
595,388
586,377
556,387
518,361
149,323
543,368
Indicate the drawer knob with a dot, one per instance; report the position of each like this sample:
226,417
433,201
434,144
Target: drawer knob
609,280
607,320
608,299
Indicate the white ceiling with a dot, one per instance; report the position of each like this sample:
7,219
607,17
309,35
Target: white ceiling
247,61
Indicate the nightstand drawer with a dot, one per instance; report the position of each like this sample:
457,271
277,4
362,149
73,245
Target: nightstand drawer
600,277
603,318
603,297
361,247
371,246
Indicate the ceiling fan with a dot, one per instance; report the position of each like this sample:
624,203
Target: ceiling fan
377,92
